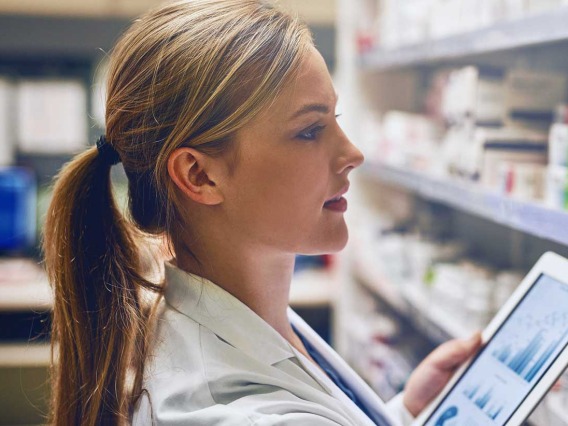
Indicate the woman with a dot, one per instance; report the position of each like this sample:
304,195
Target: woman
223,116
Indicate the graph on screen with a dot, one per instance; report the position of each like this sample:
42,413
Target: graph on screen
484,400
529,361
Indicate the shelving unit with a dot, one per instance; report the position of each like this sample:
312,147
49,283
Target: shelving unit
24,355
527,216
437,325
543,28
28,300
383,79
34,296
313,289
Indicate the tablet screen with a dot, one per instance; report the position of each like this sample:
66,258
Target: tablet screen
513,361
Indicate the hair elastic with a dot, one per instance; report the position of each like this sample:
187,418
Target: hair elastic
107,151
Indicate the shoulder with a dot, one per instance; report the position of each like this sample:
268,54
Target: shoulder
192,376
226,415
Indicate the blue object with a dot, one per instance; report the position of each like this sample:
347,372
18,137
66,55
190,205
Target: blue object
450,413
308,262
18,203
338,380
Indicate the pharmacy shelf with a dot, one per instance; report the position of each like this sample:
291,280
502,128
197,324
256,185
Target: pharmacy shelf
17,355
413,305
557,413
543,28
526,216
35,296
312,288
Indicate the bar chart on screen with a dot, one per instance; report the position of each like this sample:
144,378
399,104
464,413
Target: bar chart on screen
484,400
532,339
529,361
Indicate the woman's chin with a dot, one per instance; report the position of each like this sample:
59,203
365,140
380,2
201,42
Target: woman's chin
329,246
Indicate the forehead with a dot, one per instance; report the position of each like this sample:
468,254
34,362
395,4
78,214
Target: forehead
311,85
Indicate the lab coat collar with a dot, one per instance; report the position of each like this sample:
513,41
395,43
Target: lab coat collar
225,315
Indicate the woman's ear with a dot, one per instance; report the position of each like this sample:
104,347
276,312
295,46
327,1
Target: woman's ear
193,174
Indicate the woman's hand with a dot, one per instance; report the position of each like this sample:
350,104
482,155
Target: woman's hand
430,377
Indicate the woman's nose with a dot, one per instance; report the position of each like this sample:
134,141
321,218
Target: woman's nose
350,157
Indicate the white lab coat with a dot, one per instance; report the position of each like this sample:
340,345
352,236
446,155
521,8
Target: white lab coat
215,362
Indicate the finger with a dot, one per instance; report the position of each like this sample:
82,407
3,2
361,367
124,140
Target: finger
452,354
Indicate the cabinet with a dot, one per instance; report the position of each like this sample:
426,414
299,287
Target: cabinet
417,228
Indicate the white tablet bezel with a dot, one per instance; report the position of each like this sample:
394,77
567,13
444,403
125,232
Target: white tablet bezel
554,266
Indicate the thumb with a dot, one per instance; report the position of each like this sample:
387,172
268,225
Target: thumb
454,353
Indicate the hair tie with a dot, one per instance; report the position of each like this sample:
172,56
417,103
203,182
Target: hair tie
107,151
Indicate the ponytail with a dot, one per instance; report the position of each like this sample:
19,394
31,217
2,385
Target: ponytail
99,329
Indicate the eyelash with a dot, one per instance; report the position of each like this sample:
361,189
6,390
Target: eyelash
312,133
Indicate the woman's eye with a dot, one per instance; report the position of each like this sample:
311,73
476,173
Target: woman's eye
311,134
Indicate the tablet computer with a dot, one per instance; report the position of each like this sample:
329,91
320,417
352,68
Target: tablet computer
525,350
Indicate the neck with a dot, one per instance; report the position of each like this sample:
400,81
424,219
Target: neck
259,279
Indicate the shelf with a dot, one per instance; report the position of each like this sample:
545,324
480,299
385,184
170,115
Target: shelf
16,355
312,289
33,296
436,325
526,216
373,279
557,411
24,286
543,28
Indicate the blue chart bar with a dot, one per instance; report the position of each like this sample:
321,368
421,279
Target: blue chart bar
523,357
470,392
544,358
494,412
482,401
521,360
503,354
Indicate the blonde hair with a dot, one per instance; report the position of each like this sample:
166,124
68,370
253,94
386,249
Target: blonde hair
191,73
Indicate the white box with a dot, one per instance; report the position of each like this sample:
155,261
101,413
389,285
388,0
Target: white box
492,147
6,123
51,116
523,180
530,94
489,100
515,9
538,6
470,94
445,18
556,187
558,145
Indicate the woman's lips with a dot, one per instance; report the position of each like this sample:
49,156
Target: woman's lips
339,205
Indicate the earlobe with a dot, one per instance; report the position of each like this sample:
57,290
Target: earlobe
191,171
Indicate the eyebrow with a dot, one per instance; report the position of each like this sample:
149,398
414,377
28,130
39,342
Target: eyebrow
321,108
324,109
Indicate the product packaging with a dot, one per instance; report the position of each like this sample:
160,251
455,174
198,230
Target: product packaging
557,187
6,130
491,147
558,145
523,180
531,97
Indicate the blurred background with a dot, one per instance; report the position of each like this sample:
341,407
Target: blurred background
460,107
